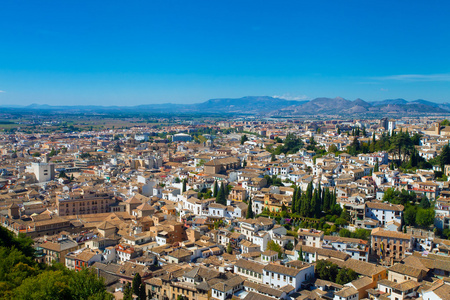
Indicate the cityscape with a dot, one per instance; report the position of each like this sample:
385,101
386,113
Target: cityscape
218,150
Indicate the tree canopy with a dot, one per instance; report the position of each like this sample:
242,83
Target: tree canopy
21,277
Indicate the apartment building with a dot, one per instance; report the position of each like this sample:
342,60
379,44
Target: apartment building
390,246
84,202
310,237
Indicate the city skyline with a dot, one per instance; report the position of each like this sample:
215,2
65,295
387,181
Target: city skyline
79,54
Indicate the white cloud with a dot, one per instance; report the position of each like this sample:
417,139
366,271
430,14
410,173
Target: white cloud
384,90
291,97
416,77
2,91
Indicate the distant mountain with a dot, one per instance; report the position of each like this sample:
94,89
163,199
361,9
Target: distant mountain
249,105
389,102
425,102
341,106
260,105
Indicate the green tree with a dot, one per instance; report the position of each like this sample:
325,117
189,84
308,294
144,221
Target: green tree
244,138
271,245
183,189
344,233
409,216
289,246
300,254
425,217
215,189
444,157
424,202
127,292
142,292
84,284
221,195
345,276
326,270
46,285
333,148
137,280
250,214
229,248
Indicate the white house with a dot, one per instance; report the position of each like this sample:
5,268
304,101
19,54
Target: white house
384,212
278,276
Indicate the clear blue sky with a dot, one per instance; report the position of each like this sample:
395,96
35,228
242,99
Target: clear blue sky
135,52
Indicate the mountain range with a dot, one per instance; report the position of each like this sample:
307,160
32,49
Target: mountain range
264,106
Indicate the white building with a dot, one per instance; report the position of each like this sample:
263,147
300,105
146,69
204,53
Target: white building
43,171
384,212
278,276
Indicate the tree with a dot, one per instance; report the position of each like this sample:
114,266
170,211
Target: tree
424,202
300,254
444,157
271,245
127,292
84,284
229,249
142,292
344,233
183,189
250,214
215,189
137,280
47,285
326,270
410,216
221,195
425,217
333,148
290,246
244,138
345,275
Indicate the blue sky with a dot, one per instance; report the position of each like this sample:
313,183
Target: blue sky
136,52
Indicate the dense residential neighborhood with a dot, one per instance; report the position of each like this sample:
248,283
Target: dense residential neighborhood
239,209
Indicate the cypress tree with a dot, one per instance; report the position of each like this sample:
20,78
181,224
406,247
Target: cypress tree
326,200
320,192
220,195
300,254
250,214
127,292
142,292
294,200
184,186
223,195
215,189
298,202
137,281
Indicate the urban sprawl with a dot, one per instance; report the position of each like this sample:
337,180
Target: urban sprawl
236,209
